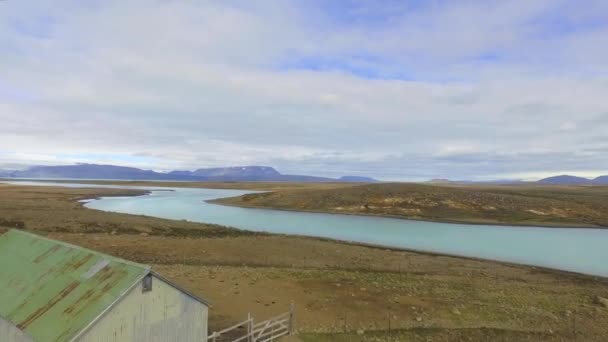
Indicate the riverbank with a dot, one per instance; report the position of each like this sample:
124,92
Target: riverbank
514,205
59,209
336,287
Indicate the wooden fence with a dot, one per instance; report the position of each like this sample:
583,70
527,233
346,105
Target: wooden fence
266,331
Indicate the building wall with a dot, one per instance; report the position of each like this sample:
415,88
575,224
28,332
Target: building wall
162,314
10,333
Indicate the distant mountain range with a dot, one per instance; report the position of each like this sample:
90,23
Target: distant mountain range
555,180
240,173
235,174
440,181
573,180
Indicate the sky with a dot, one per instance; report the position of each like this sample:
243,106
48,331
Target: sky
398,90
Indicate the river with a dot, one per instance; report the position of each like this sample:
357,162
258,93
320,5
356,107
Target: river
570,249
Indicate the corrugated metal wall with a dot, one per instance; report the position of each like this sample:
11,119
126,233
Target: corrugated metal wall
10,333
163,314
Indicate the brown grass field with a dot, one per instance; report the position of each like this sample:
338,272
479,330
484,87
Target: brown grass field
530,205
342,292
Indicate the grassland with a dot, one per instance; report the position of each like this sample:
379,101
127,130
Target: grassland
342,292
533,205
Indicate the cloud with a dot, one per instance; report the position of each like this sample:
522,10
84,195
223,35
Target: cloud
401,90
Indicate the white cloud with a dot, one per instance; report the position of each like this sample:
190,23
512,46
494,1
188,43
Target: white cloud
463,89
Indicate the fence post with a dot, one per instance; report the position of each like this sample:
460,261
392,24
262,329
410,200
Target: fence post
249,328
574,324
291,318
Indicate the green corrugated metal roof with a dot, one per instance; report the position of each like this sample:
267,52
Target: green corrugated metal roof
53,290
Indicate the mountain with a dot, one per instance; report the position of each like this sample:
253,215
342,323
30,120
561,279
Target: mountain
263,173
601,180
565,180
242,172
357,179
6,173
248,174
225,174
94,171
440,181
447,181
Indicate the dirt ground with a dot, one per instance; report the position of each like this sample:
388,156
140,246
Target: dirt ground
338,287
341,292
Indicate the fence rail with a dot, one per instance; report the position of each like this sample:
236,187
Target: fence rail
265,331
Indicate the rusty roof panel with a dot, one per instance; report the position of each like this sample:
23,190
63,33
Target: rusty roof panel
52,290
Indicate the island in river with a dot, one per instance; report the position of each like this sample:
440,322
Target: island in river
342,292
516,204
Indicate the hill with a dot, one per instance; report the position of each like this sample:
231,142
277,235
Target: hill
601,180
6,173
357,179
540,205
565,179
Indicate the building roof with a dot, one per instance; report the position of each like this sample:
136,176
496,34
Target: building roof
52,290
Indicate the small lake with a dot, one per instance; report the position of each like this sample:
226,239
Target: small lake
570,249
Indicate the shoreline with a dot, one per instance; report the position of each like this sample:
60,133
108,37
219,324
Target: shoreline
554,271
384,247
137,193
218,201
439,254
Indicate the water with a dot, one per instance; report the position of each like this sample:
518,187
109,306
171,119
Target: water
571,249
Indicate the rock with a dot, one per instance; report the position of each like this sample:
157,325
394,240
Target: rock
360,332
143,234
456,312
601,301
418,319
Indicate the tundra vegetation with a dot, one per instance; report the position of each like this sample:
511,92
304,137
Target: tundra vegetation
342,292
529,204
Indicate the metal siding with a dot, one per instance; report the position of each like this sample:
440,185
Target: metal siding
10,333
163,314
52,290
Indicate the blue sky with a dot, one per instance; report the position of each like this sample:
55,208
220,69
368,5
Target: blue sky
405,90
